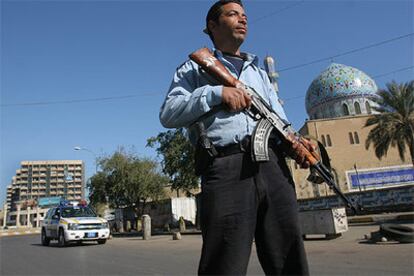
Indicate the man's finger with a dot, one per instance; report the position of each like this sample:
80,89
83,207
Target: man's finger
248,100
242,102
300,158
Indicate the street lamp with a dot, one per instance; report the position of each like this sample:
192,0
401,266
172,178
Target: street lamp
94,155
96,165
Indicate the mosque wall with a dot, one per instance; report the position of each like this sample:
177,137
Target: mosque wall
339,101
344,139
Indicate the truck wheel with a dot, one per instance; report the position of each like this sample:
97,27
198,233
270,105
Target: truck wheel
61,238
44,238
401,233
102,241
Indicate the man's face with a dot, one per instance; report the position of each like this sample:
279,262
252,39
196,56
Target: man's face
231,26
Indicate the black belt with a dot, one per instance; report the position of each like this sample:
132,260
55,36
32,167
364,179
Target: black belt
243,146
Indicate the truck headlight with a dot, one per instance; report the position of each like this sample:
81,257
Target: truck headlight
104,225
73,226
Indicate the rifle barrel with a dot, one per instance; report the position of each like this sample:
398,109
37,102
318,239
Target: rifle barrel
327,176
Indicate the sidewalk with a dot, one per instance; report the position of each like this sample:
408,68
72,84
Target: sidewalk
19,231
404,217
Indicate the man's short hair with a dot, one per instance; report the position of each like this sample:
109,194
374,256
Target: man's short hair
215,11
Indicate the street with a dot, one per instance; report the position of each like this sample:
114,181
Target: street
347,255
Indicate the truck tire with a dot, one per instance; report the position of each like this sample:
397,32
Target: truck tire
401,233
103,241
45,240
61,238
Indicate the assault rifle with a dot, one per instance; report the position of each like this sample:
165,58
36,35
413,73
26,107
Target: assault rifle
268,121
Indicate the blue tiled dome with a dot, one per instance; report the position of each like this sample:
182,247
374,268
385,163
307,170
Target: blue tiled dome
338,85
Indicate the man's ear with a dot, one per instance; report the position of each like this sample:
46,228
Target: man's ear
211,25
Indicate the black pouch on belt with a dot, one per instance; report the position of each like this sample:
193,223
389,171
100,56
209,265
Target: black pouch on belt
205,151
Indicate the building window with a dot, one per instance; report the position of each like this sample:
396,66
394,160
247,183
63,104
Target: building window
351,139
328,140
345,109
357,108
332,111
368,107
356,138
323,141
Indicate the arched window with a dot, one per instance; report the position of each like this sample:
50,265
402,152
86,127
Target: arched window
356,138
351,139
357,108
345,109
325,113
331,111
323,141
320,115
368,107
328,140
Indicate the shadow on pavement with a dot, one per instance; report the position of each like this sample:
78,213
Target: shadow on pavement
369,242
55,245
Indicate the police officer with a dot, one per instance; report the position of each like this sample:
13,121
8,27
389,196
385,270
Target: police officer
241,200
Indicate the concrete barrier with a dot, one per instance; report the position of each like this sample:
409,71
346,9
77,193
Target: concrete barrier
146,227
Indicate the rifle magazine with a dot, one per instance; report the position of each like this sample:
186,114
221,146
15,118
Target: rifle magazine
260,140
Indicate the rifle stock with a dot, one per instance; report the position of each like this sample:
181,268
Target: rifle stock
214,67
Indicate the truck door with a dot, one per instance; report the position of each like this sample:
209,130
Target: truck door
54,223
46,221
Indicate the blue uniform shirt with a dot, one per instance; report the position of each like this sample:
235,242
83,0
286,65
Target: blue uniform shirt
193,93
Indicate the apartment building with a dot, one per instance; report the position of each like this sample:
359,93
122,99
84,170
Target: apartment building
51,178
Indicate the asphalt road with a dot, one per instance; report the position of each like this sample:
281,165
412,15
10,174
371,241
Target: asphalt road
347,255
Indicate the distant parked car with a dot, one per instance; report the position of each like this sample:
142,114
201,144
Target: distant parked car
73,221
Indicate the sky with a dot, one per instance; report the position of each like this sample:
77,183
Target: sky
94,73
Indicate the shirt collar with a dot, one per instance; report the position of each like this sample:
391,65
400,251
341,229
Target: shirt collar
250,58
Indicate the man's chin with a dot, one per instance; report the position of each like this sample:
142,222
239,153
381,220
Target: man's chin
239,35
240,39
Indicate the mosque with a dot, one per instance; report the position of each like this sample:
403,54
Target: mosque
338,102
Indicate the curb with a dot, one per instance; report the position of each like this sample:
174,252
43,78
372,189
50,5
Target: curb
382,218
408,217
139,234
360,220
19,233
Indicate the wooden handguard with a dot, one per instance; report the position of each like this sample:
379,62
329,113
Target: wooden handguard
311,156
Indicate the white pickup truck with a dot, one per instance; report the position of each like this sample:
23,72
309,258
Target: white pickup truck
73,221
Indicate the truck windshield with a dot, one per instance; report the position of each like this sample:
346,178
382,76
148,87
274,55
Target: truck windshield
68,212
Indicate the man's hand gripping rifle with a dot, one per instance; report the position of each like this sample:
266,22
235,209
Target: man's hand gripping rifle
268,121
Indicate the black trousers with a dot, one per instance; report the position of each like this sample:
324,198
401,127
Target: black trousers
242,201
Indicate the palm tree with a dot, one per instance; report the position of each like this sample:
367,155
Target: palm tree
394,125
